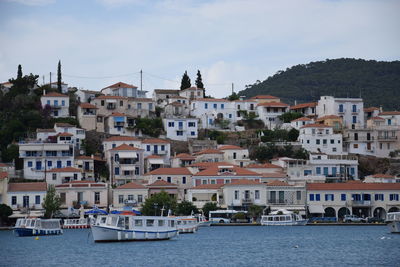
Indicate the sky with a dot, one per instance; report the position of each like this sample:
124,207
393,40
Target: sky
101,42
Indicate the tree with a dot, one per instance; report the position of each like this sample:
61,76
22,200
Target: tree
51,202
10,154
233,97
293,134
59,78
19,74
255,211
287,117
209,206
185,83
186,208
153,205
199,80
5,212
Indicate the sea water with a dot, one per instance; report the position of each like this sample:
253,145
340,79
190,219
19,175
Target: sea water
213,246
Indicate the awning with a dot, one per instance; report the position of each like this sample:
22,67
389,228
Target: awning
111,101
316,209
156,161
127,155
119,119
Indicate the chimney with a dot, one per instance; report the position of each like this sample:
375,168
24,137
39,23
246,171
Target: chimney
92,156
380,109
295,102
44,91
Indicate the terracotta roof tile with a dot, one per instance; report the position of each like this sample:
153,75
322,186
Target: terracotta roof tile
87,105
277,183
302,119
120,85
208,151
212,100
211,164
381,175
329,117
316,125
166,91
208,186
353,186
90,158
131,185
162,183
125,147
54,94
389,113
121,138
304,105
264,97
216,171
263,166
64,134
274,175
370,109
170,171
153,157
184,156
66,169
110,97
45,130
377,118
231,147
273,105
117,114
25,187
154,141
243,182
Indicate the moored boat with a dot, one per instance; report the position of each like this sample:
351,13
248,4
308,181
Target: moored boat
393,221
283,217
37,227
202,221
118,227
187,224
80,223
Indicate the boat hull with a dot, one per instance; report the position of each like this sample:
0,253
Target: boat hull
188,230
205,224
105,234
76,226
36,232
283,223
394,227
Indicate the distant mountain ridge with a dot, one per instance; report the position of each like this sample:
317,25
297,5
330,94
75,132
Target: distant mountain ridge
377,82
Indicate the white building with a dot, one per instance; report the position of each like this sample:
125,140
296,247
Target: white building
243,193
87,114
58,176
213,113
26,195
57,103
85,193
235,155
320,138
130,194
269,113
123,89
157,146
307,109
350,109
86,96
181,129
300,122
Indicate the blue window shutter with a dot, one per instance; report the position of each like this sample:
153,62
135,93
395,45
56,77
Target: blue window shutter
311,197
317,197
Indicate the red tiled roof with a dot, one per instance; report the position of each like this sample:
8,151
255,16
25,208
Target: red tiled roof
277,183
66,169
120,85
389,113
90,158
121,138
82,184
45,130
264,97
273,105
212,99
170,171
87,105
377,118
231,147
153,157
263,166
237,171
162,183
154,141
208,151
243,182
137,99
370,109
125,147
131,185
302,119
304,105
54,94
353,186
3,175
328,117
166,91
117,114
26,187
381,175
193,88
110,97
184,156
65,134
208,186
316,125
274,175
211,164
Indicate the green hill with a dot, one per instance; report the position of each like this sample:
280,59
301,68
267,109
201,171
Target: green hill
377,82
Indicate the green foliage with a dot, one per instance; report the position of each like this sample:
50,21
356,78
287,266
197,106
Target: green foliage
293,134
209,206
270,150
199,80
377,81
255,211
220,137
289,116
186,208
239,216
51,202
5,211
59,78
148,126
156,202
19,73
10,153
233,97
185,83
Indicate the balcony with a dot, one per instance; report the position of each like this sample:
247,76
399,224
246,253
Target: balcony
278,201
89,113
111,107
387,138
247,201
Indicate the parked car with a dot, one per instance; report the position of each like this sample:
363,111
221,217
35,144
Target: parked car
353,218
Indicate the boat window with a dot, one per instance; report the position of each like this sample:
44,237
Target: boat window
172,223
160,223
18,223
270,219
120,221
184,222
103,220
126,223
276,218
138,223
179,222
113,221
149,223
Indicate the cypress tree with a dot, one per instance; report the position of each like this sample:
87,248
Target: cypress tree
19,75
185,83
199,80
59,77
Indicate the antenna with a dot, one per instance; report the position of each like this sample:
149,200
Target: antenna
50,78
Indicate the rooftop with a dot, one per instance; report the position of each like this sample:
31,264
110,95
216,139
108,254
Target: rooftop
264,97
231,147
273,104
87,105
353,186
120,138
208,151
27,187
243,182
304,105
263,166
131,185
231,171
54,94
66,169
125,147
170,171
120,85
162,183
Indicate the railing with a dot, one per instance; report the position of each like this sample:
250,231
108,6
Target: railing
389,138
247,201
278,201
111,107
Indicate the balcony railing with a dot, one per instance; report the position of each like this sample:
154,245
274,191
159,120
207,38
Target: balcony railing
387,138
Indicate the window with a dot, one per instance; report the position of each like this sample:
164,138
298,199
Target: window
257,194
149,223
343,197
341,108
150,106
116,172
192,133
120,199
137,170
205,105
334,149
354,119
379,197
48,102
354,108
318,170
62,198
56,103
162,147
324,141
68,163
171,124
96,197
311,197
192,124
184,180
236,194
30,164
102,102
62,102
317,197
317,141
222,106
307,172
332,141
329,197
140,198
215,106
148,147
138,223
49,163
179,133
298,195
139,105
334,171
394,197
169,179
14,200
234,155
355,145
326,171
230,116
54,176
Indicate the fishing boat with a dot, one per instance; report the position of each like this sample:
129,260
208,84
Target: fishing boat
283,217
80,223
37,226
119,227
187,224
393,221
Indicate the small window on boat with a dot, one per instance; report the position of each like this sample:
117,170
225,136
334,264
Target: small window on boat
138,223
121,221
270,219
184,222
172,223
276,218
160,223
103,219
179,222
114,221
149,223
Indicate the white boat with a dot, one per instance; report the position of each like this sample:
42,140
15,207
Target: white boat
187,224
37,226
393,221
202,221
76,223
282,217
117,227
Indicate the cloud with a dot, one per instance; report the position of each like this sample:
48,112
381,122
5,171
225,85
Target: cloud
33,2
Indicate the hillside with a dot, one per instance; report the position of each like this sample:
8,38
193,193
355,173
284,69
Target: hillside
377,81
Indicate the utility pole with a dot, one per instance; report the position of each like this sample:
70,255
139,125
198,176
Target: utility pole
43,79
141,80
232,88
50,78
